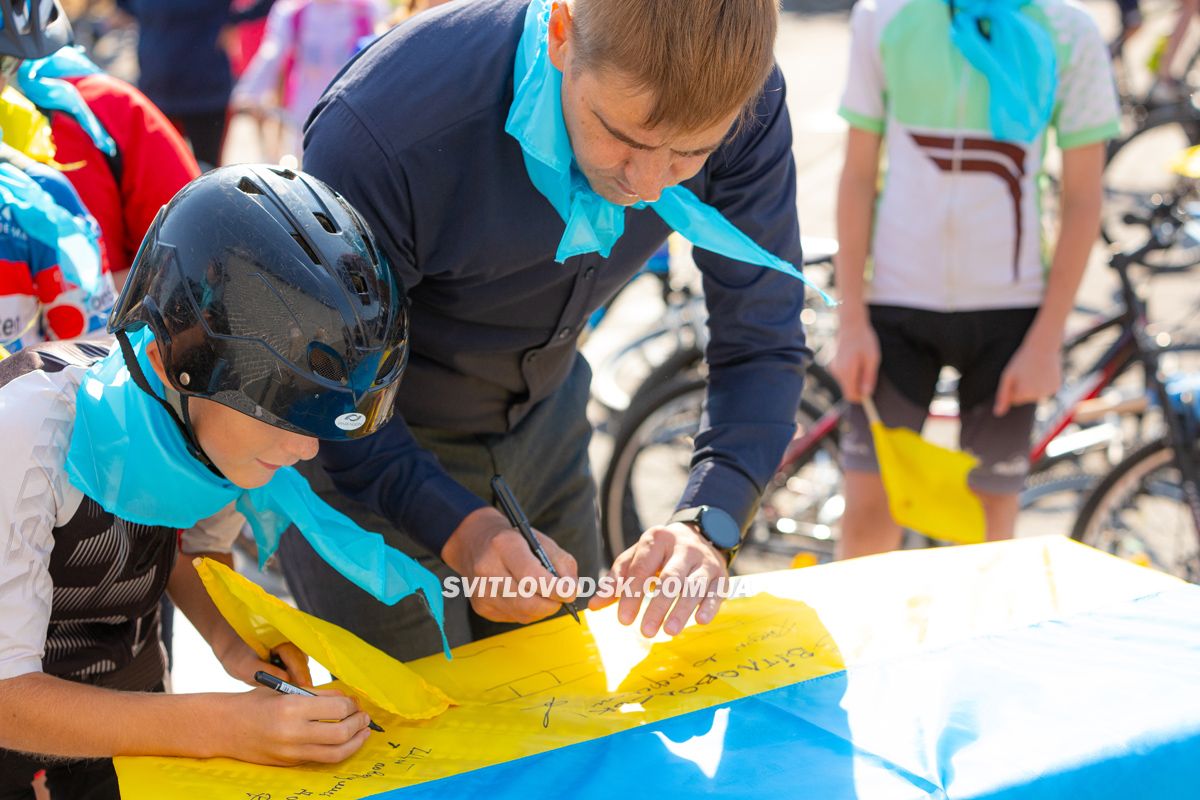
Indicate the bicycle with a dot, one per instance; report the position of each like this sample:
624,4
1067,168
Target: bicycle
677,342
802,505
1147,509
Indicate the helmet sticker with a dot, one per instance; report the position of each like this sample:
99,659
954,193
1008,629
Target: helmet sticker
350,422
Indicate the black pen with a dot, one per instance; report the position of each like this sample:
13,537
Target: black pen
517,518
283,687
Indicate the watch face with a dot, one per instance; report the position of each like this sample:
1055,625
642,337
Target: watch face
719,528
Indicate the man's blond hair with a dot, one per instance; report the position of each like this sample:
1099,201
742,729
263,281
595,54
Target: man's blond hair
702,60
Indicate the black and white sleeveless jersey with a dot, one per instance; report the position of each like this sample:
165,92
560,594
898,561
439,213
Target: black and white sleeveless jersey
79,588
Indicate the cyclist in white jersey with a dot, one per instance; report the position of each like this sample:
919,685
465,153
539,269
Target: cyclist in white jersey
960,99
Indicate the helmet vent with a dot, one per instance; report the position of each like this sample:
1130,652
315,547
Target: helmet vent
284,173
360,287
249,187
326,222
308,248
326,364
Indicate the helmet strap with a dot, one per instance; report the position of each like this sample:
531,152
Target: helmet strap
175,404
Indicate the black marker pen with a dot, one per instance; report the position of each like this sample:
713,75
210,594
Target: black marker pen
283,687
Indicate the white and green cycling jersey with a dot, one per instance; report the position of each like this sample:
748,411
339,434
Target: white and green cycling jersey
957,227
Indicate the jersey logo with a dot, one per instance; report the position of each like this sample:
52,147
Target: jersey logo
1005,160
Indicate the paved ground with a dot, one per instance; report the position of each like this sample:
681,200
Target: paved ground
812,50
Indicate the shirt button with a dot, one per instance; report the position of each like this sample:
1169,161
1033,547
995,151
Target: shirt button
530,357
588,273
565,333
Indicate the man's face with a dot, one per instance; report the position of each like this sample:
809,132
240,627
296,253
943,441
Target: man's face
604,112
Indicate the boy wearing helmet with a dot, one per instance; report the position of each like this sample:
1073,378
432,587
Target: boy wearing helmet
259,316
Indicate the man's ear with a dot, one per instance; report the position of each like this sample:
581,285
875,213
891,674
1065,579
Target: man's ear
560,34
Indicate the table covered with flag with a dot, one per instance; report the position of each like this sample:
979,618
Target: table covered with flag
1036,668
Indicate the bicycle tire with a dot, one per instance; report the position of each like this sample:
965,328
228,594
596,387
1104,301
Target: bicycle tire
1155,129
1114,490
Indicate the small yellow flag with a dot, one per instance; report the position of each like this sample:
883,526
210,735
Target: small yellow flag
926,484
264,621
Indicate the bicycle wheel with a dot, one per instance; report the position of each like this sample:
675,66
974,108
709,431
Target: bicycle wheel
1138,512
651,460
1136,176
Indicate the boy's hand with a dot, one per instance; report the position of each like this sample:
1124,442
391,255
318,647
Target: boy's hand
266,727
1034,373
241,662
855,363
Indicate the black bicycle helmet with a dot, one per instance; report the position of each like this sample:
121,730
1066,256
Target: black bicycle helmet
32,28
267,293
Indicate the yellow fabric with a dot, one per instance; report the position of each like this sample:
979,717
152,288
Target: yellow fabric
25,128
927,486
1187,163
264,621
3,354
556,683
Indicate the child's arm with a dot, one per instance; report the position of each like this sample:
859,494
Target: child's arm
856,361
47,715
1035,371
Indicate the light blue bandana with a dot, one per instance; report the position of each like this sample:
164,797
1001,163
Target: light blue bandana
129,456
594,224
1017,58
40,81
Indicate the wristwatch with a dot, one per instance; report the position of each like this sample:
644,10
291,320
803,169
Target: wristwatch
715,525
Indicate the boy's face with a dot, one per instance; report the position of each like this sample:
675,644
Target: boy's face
623,161
247,451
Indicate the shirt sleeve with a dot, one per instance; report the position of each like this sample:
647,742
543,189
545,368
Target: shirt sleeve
1086,109
215,534
756,354
388,471
864,98
35,426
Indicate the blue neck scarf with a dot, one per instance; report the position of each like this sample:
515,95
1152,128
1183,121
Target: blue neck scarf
128,455
593,224
1017,58
40,81
75,240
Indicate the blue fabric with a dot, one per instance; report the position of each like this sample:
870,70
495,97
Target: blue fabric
1099,705
1017,58
40,80
593,224
127,454
494,315
74,239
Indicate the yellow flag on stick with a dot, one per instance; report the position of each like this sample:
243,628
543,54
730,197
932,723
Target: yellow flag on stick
926,484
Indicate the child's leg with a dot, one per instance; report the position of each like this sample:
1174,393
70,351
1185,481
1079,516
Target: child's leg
1000,443
867,524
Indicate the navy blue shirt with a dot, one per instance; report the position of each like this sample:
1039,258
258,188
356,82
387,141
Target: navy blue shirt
182,67
412,133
